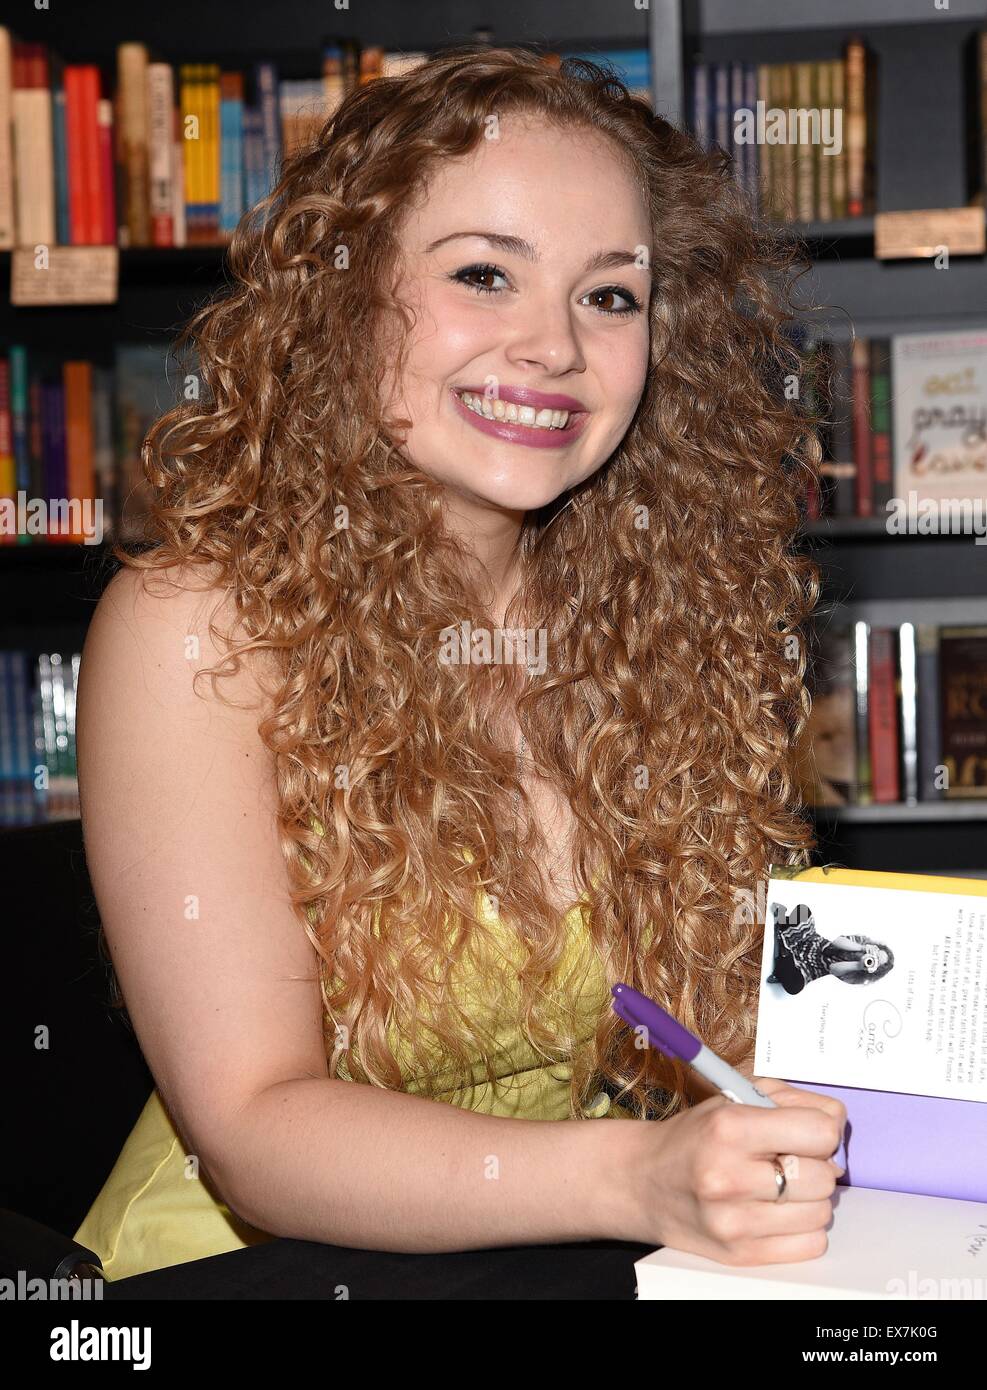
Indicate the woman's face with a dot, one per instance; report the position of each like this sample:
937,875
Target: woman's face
547,328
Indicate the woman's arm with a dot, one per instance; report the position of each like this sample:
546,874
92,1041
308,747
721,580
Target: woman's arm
849,943
178,805
839,968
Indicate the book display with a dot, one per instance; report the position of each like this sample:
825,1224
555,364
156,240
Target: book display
127,150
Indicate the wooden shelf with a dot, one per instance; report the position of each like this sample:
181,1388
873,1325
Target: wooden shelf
973,809
870,528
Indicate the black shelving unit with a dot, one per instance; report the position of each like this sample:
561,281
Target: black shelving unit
47,593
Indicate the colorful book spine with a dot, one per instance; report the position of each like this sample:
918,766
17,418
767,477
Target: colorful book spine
907,684
59,140
882,456
805,154
929,722
839,161
855,133
824,162
232,172
861,668
211,152
861,427
160,140
77,377
270,120
132,151
883,730
19,415
34,163
963,709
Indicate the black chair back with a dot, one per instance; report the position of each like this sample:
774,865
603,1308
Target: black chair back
75,1079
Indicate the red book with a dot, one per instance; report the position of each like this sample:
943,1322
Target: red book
861,427
883,731
84,167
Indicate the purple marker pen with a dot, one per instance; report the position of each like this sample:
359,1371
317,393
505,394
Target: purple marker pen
667,1035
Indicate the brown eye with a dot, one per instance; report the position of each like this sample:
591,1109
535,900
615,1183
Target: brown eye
463,277
632,305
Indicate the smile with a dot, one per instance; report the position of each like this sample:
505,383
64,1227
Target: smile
520,424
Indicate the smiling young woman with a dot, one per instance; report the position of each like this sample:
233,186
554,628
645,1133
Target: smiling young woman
503,352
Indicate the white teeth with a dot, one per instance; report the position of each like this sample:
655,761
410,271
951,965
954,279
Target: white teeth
513,414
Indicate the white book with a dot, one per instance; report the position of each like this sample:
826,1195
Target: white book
940,400
161,150
882,1245
34,166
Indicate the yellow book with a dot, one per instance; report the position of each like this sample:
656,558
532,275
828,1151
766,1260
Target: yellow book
211,151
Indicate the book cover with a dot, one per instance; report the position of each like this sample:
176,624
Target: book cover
876,981
940,417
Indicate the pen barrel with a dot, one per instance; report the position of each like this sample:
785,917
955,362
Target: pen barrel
726,1079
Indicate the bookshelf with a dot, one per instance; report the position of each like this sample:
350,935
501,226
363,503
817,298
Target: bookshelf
921,160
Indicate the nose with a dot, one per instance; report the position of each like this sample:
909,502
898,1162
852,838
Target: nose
545,337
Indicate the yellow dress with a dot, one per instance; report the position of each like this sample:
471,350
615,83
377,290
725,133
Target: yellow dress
153,1210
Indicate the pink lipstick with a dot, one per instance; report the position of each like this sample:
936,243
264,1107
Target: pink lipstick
512,431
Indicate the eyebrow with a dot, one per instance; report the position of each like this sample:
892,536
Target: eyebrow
517,246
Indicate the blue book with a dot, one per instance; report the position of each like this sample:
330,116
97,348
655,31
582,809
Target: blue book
231,164
253,157
63,229
21,721
18,415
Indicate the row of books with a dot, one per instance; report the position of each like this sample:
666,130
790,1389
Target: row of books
173,158
71,433
802,134
38,773
903,417
899,714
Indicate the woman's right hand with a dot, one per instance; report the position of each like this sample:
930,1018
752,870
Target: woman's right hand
703,1181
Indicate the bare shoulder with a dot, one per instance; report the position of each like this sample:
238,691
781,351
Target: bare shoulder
173,623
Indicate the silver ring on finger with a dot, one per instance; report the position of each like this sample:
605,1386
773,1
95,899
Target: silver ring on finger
781,1181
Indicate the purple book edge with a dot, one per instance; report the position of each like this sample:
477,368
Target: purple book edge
928,1145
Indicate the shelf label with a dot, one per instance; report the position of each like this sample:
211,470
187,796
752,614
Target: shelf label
52,275
925,233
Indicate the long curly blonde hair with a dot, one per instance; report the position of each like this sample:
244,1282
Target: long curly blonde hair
667,583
